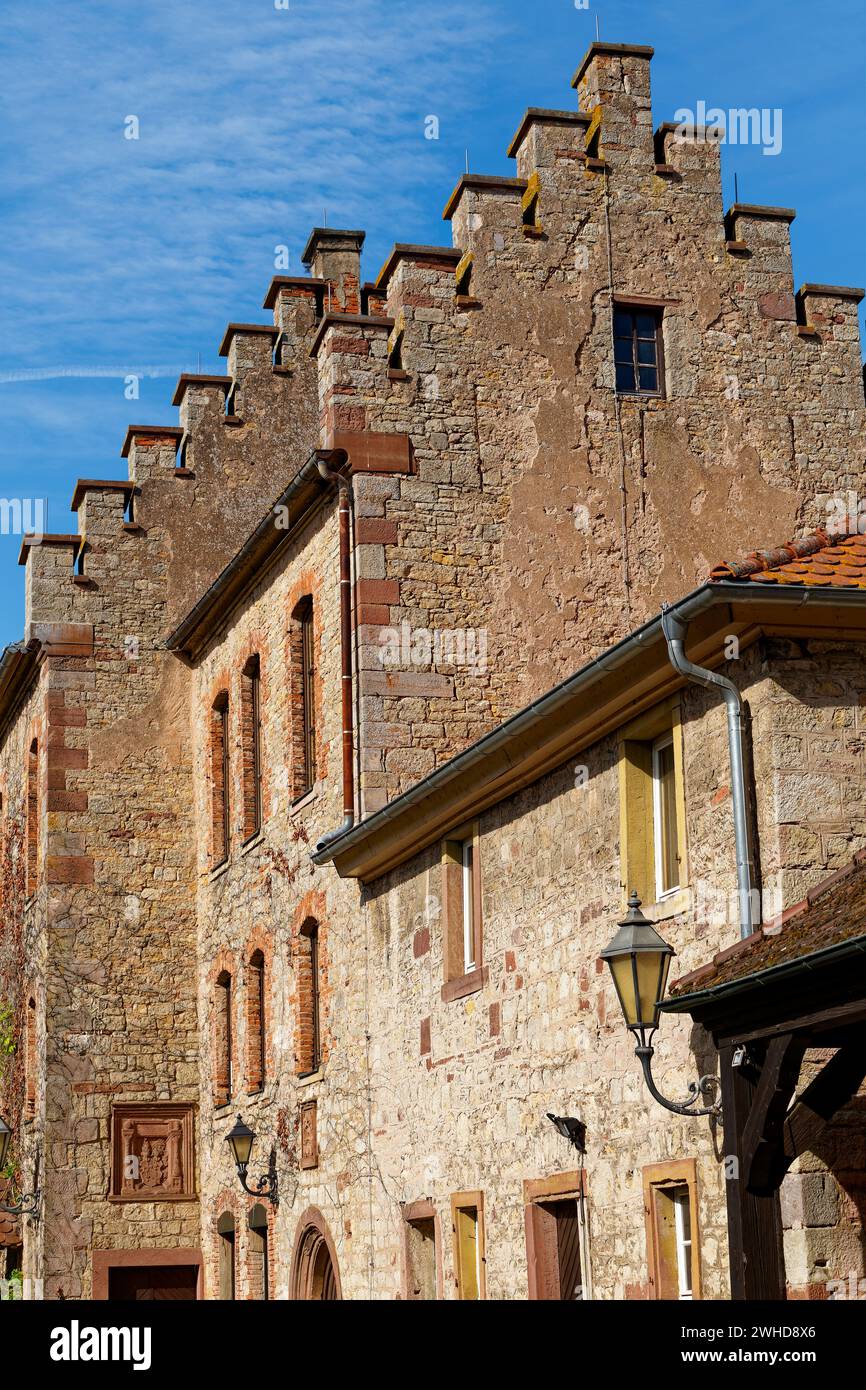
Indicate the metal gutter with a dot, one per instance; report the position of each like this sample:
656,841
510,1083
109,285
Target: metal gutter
546,707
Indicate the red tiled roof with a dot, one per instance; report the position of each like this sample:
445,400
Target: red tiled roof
834,911
815,560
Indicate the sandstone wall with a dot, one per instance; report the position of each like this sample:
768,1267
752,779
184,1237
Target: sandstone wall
111,930
258,900
459,1090
545,514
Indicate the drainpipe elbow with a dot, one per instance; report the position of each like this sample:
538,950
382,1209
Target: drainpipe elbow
675,631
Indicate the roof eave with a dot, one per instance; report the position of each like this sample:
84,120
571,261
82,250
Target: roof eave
545,734
702,1000
304,493
18,665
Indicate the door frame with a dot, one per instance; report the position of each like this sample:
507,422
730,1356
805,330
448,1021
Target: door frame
559,1187
312,1227
106,1260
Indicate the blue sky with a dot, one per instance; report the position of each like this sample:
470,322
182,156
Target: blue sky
121,255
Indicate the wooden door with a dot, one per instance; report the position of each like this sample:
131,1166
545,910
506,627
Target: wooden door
468,1255
553,1238
147,1283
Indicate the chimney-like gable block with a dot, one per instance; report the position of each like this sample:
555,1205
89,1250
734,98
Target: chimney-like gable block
150,437
614,79
194,381
334,256
551,144
49,594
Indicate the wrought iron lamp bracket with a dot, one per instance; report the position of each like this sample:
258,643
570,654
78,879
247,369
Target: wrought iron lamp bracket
707,1087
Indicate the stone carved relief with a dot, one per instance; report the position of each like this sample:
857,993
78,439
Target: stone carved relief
309,1136
152,1153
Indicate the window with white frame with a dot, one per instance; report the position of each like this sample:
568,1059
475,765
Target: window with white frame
462,944
467,861
673,1247
665,833
683,1232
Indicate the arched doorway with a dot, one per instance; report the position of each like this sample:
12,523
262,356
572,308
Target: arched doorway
315,1274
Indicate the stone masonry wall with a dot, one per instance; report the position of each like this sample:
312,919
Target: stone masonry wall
113,920
462,1087
503,496
259,900
23,944
545,513
459,1090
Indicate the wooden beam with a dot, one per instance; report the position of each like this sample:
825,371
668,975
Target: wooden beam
754,1223
833,1087
824,1020
762,1134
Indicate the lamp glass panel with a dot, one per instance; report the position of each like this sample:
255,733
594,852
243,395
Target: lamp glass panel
5,1133
623,979
666,959
242,1145
651,971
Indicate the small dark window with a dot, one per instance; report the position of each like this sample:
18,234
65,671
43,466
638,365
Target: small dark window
224,1042
226,1232
220,785
256,1022
638,351
303,659
258,1258
33,828
251,747
309,1038
316,1057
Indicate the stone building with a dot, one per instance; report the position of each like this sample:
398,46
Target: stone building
343,728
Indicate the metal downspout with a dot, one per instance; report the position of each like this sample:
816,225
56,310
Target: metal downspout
675,631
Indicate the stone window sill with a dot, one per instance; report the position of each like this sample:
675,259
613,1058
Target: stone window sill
464,985
310,1078
304,801
672,906
252,842
218,872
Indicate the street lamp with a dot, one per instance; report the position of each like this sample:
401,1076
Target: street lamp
639,961
240,1140
570,1128
28,1202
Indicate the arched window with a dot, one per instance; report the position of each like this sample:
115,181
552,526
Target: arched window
30,1060
220,787
226,1235
308,1046
303,711
32,867
258,1264
223,1042
251,746
256,1022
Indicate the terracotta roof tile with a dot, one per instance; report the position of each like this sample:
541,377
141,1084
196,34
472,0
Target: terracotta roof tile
832,912
817,559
